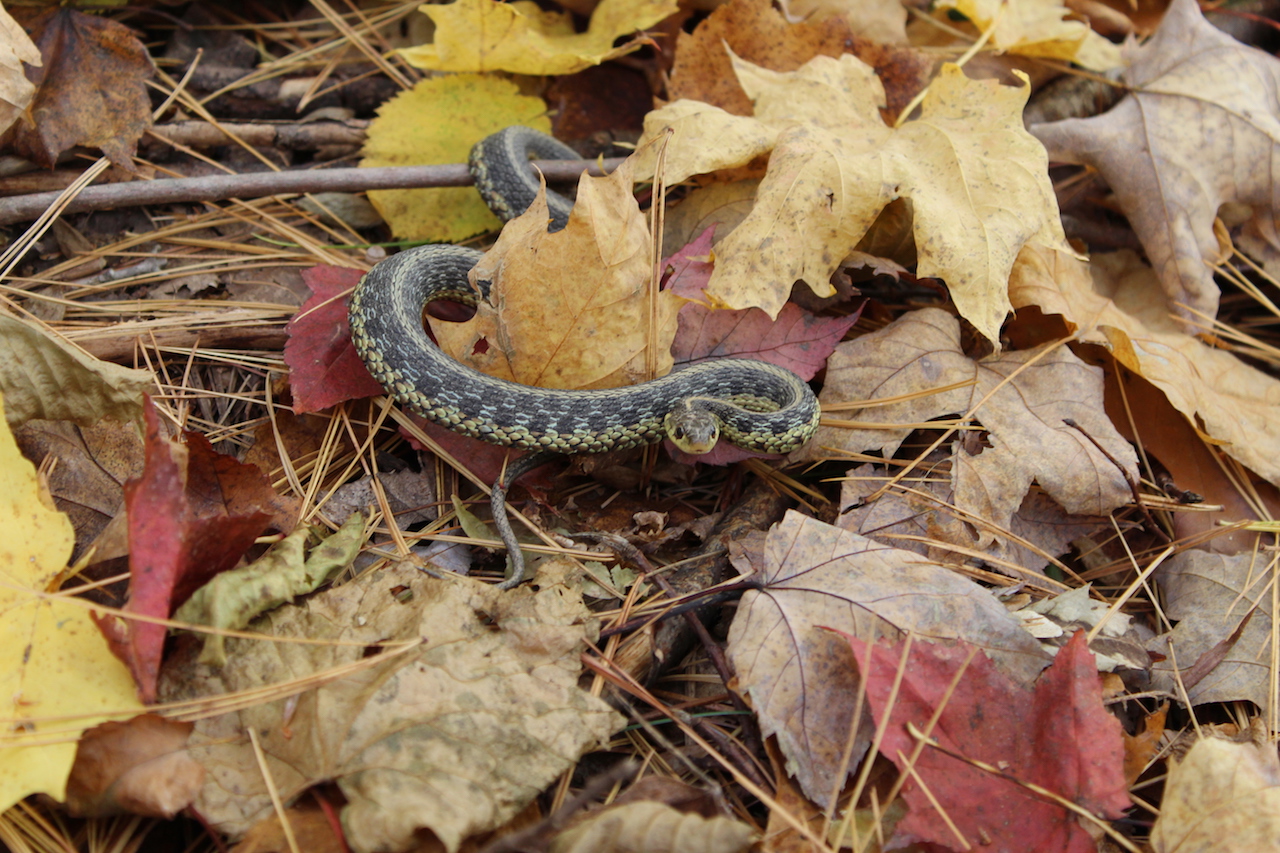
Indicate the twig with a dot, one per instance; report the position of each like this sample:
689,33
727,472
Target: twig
257,185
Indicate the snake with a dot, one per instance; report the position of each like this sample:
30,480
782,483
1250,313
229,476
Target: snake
752,404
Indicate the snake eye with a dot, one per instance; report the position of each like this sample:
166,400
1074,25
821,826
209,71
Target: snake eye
678,434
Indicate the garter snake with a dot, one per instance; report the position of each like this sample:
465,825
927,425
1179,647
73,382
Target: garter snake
753,404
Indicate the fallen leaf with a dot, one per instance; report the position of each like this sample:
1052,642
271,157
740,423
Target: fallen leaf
919,515
16,91
181,532
234,598
881,21
1207,596
1114,301
1024,419
755,31
139,766
1142,747
91,89
653,828
88,467
438,121
57,675
800,678
42,377
977,182
484,35
569,309
1039,28
426,739
1222,797
1170,184
1058,736
324,368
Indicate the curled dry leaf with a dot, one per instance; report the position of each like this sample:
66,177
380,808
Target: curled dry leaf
1171,182
42,377
800,677
16,91
1024,416
653,828
1040,28
569,309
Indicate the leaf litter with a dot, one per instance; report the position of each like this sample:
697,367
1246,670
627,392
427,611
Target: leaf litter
958,472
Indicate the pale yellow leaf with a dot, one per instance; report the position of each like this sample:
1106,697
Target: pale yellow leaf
438,121
1039,28
485,35
57,675
1222,797
42,377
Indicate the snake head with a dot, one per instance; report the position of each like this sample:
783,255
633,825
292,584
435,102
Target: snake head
691,429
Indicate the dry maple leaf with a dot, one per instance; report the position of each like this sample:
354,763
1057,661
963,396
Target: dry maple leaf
1199,130
1024,416
799,678
569,309
1221,796
1208,596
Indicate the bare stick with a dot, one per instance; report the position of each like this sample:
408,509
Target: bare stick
260,184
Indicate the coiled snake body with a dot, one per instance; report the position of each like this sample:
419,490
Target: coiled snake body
755,405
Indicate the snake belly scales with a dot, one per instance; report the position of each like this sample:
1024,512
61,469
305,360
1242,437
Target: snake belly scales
753,404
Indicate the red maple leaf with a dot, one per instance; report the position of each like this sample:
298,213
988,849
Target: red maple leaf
1059,737
182,531
324,368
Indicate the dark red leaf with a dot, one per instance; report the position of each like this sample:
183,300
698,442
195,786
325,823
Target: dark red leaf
180,535
323,365
1059,737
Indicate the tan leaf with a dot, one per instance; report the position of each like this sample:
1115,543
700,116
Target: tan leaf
16,91
1024,418
653,828
1222,797
140,766
569,309
800,677
1171,182
424,740
42,377
1113,301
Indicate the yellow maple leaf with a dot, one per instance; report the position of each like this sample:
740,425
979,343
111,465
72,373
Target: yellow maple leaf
977,181
486,35
1039,28
56,672
437,121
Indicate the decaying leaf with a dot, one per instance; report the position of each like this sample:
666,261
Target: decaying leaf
91,88
1114,301
799,676
453,734
484,35
140,766
1027,397
1208,596
234,598
569,309
57,675
41,377
649,827
1169,182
